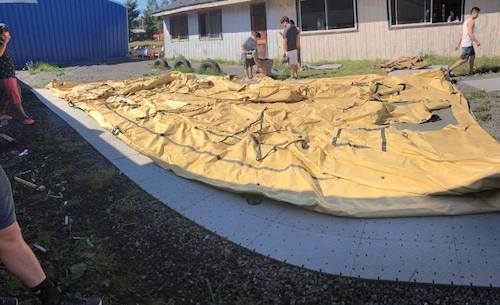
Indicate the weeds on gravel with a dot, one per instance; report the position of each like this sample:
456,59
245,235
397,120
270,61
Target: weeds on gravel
208,71
482,111
35,68
95,180
477,94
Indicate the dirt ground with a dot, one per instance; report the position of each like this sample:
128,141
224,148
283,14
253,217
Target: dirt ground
135,250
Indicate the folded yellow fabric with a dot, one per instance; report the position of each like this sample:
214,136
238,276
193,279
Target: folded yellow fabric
337,145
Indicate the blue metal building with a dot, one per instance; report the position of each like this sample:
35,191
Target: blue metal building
65,31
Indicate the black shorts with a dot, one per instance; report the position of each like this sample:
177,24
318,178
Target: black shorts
249,62
467,52
7,210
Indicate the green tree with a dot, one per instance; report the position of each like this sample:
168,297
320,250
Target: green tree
164,3
133,13
150,22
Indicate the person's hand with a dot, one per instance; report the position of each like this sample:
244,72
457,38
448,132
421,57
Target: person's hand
457,47
478,44
6,37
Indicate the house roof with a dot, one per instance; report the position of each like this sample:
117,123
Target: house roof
179,6
183,3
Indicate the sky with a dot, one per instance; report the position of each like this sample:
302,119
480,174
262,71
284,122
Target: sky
142,4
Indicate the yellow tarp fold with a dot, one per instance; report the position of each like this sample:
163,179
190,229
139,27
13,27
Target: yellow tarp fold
337,145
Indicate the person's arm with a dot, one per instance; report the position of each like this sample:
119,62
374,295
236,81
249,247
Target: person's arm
5,42
470,32
298,40
285,44
459,42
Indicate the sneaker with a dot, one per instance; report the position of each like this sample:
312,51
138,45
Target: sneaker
5,117
28,121
450,74
8,301
87,301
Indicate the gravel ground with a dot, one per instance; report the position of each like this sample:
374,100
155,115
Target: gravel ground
491,100
101,72
138,251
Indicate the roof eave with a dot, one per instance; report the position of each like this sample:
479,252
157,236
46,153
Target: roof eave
198,7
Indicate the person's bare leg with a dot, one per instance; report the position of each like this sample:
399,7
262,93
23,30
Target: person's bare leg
458,64
293,69
17,256
471,64
20,109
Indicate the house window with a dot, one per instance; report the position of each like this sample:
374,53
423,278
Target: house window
179,27
316,15
425,11
210,24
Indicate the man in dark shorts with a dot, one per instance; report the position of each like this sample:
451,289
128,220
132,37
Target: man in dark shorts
249,47
8,81
291,45
20,260
466,41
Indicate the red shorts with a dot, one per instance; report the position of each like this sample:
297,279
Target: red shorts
11,90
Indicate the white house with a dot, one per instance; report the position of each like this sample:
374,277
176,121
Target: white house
331,29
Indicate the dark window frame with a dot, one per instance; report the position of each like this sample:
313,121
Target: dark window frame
349,29
207,15
396,25
179,35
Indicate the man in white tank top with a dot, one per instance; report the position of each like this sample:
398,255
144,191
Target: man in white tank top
467,41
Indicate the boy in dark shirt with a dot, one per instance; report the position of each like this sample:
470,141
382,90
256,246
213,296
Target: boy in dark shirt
291,44
8,81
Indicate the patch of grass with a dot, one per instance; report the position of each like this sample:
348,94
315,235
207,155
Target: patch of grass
349,67
477,94
208,71
146,43
35,68
156,65
482,112
95,180
45,239
184,69
128,208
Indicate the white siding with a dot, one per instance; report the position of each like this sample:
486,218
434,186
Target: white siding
275,10
373,38
235,29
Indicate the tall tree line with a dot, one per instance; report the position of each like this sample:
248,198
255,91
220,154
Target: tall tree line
152,25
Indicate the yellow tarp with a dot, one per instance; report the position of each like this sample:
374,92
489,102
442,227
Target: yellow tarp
328,144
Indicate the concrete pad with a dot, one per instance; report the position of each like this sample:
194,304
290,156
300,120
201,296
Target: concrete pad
459,250
487,84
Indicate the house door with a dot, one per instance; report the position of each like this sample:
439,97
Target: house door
258,23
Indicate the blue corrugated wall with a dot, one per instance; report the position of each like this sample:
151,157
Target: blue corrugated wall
66,31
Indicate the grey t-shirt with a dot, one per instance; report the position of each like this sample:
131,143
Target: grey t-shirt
250,44
290,33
